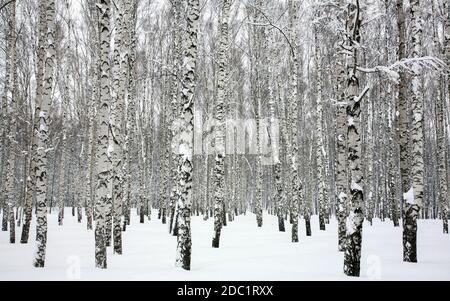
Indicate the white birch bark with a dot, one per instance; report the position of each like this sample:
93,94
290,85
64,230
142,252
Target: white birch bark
341,158
219,162
103,162
11,131
130,42
117,117
411,206
10,128
320,147
295,183
62,169
174,105
441,132
258,35
355,219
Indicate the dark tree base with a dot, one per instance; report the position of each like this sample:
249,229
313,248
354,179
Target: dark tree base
259,219
25,234
215,242
281,227
4,227
321,223
175,229
185,259
410,213
38,264
308,226
352,256
294,232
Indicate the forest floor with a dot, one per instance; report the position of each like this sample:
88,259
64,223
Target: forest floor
246,253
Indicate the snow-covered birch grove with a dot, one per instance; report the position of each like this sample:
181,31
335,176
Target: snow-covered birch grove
273,127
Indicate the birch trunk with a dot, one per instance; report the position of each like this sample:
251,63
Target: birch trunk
177,46
320,148
219,166
355,219
62,173
8,153
11,131
414,195
130,39
259,36
79,182
440,126
442,170
103,162
117,117
295,183
186,139
341,164
42,139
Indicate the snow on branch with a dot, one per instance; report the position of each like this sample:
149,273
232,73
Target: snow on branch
363,93
408,65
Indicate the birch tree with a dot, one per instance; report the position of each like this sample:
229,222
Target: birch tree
320,148
130,42
258,35
414,195
117,117
440,128
9,130
352,255
292,118
62,175
103,162
42,138
219,137
341,158
186,139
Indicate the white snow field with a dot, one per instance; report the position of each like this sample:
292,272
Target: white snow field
246,253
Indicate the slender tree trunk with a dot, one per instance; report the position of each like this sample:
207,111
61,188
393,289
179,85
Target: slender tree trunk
79,178
174,109
103,162
219,166
442,171
257,34
62,169
186,139
341,158
441,132
320,148
355,219
90,160
295,184
11,130
117,117
42,137
130,39
12,225
9,121
414,195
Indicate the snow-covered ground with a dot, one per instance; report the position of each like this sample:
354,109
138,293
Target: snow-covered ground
246,253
